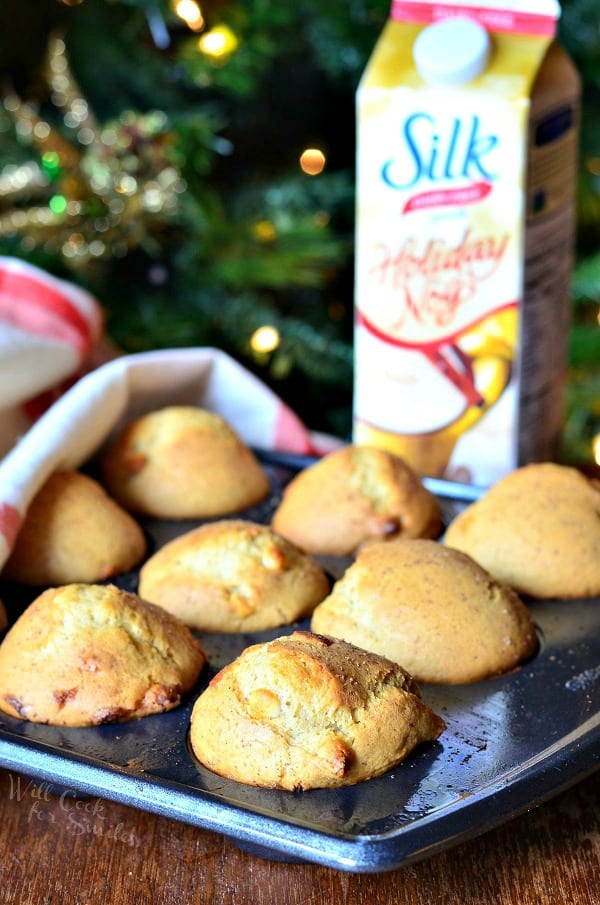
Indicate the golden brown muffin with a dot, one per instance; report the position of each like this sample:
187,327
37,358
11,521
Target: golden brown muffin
352,496
73,531
183,462
82,655
304,711
233,576
538,530
431,609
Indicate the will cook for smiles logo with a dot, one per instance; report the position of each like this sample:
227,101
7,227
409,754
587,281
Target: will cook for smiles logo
46,806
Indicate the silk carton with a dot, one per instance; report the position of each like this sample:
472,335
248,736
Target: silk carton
467,122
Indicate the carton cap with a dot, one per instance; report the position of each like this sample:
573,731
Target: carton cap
452,51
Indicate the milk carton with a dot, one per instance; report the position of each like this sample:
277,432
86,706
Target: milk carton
466,156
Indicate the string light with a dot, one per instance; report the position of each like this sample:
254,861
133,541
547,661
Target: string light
596,448
117,181
265,231
51,164
190,13
312,161
58,204
265,339
220,42
16,181
41,131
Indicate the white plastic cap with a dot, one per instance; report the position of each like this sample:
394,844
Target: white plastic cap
452,51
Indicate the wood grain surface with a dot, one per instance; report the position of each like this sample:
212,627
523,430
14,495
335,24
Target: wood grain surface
58,849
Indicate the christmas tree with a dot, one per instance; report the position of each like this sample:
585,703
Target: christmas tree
191,163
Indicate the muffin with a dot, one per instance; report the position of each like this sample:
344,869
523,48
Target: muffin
431,609
74,532
82,655
538,530
304,711
352,496
233,576
182,462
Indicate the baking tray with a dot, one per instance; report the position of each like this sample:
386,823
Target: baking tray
510,743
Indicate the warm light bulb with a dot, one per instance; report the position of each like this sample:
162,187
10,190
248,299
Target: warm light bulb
190,13
219,42
312,161
265,339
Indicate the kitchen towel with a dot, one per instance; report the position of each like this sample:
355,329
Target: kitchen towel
49,333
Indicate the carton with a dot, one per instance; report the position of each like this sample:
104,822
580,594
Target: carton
467,120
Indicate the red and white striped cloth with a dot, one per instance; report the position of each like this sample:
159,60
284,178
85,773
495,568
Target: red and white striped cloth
49,334
49,330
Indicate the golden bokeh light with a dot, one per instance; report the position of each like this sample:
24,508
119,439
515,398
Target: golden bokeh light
190,13
312,161
265,339
219,42
264,231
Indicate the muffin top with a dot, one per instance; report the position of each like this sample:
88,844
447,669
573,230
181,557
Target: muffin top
304,711
354,496
74,532
182,462
82,655
431,609
538,530
233,576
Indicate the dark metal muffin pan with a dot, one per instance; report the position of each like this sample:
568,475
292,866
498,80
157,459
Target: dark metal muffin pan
510,743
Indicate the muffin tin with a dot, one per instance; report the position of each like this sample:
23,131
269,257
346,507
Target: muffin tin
510,743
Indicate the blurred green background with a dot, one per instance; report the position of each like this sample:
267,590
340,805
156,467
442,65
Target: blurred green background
151,151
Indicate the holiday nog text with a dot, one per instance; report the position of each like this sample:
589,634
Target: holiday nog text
430,286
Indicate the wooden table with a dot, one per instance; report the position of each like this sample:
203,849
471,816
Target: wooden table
85,851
